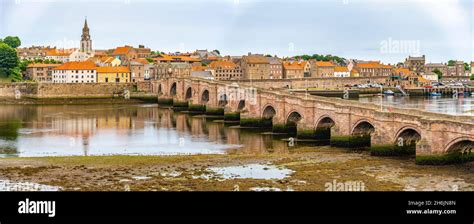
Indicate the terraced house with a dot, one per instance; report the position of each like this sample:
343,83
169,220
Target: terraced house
119,74
175,69
75,72
341,72
321,69
255,67
415,64
33,52
140,69
40,72
276,68
61,55
373,68
225,70
294,69
125,54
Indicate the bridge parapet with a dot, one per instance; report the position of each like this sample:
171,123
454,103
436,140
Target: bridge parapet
308,112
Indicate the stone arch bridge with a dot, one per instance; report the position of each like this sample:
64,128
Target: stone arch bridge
433,133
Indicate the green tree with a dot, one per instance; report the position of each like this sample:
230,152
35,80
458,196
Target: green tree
8,57
23,65
13,42
319,57
439,73
467,67
472,76
15,75
451,62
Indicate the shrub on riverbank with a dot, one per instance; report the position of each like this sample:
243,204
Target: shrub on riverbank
350,141
446,159
8,149
392,150
196,108
180,104
232,116
255,123
215,111
165,102
284,128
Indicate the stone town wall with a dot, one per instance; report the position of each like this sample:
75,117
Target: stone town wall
145,86
71,90
26,89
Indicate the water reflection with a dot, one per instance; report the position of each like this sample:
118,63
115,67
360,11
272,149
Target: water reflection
120,129
446,105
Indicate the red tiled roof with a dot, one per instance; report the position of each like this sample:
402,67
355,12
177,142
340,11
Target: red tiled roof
39,65
293,65
118,69
341,69
75,65
222,64
122,50
324,64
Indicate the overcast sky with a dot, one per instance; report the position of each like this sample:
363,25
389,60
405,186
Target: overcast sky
386,30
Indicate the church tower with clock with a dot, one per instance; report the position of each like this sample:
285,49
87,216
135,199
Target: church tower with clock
86,42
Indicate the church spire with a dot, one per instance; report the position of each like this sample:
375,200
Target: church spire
85,24
86,42
85,32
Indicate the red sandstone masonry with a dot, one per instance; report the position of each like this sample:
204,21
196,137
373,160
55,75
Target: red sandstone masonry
438,131
71,90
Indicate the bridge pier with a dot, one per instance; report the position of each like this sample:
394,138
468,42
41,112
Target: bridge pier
214,111
165,101
196,108
180,105
230,114
346,122
247,120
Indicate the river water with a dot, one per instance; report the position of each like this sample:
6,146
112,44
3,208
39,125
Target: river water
446,105
146,129
73,130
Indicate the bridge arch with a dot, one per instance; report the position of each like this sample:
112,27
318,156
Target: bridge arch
189,93
268,112
160,89
292,121
363,127
173,89
323,127
205,96
408,135
325,121
223,100
241,105
294,117
462,145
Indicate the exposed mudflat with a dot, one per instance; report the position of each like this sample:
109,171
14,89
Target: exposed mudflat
304,169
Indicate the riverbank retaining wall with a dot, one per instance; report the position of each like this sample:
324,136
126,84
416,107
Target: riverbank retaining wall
72,90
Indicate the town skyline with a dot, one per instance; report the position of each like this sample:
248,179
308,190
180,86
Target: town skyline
387,46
